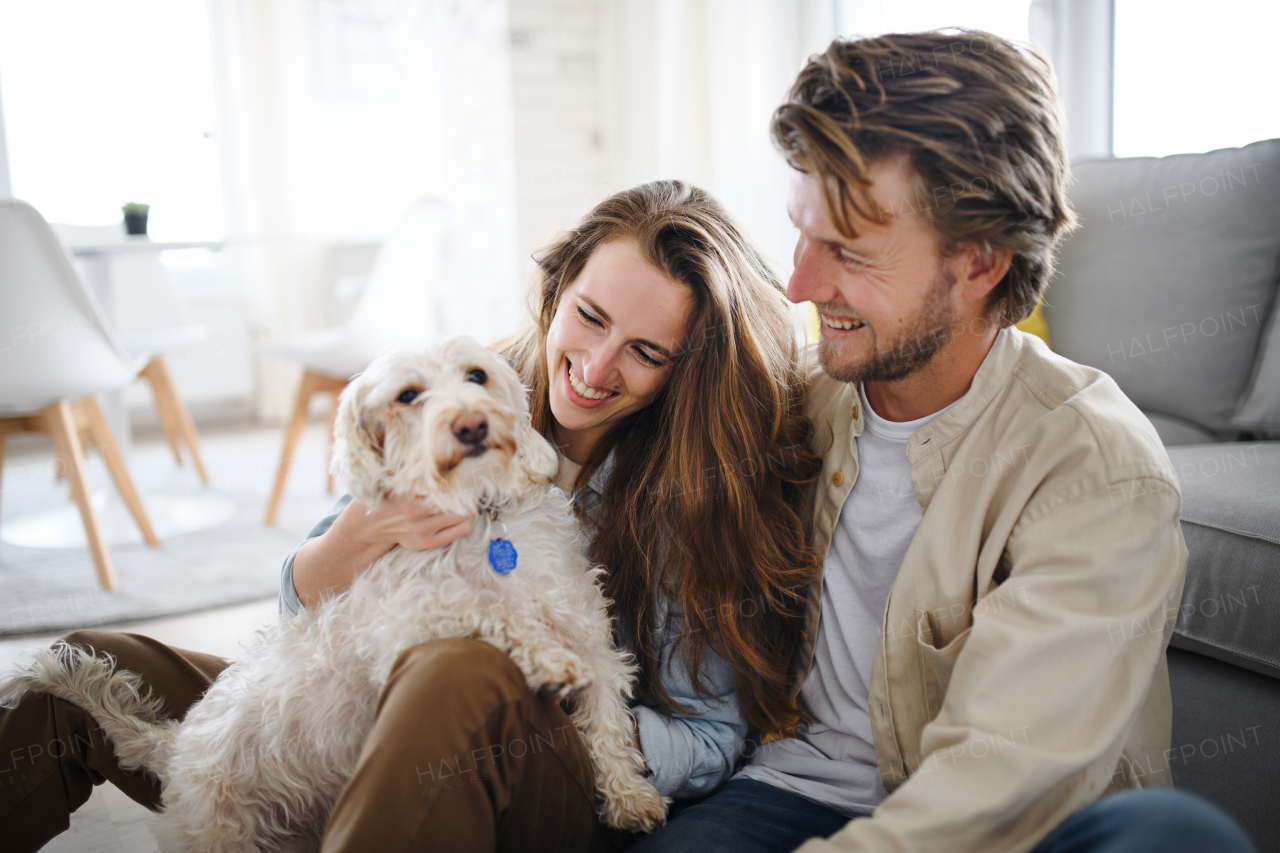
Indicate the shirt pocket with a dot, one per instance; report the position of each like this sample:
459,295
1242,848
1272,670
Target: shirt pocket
939,653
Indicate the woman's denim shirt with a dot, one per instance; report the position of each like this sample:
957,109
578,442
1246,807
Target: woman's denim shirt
688,755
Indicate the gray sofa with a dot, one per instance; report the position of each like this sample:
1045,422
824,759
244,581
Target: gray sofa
1170,286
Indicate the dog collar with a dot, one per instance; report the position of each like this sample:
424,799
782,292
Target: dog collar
502,554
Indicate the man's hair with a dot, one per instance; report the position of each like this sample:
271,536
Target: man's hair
982,124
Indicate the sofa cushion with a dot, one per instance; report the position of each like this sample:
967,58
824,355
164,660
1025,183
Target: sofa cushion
1260,412
1170,279
1174,432
1231,521
1224,746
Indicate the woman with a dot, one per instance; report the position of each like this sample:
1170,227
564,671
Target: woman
661,364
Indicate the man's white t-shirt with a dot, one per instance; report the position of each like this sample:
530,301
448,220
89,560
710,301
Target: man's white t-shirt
832,761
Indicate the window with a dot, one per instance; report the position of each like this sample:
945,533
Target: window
106,103
1194,76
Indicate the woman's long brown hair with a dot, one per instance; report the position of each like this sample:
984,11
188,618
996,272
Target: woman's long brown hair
706,498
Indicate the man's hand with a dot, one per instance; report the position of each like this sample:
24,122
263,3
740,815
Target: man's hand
328,564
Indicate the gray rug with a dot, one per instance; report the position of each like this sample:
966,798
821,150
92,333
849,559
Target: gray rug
45,590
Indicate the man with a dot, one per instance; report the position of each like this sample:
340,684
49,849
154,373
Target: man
994,519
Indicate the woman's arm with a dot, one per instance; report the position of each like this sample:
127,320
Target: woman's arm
692,755
350,539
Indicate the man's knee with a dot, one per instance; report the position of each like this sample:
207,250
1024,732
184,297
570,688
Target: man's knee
1159,819
457,671
97,642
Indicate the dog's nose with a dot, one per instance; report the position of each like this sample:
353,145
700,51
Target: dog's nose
470,428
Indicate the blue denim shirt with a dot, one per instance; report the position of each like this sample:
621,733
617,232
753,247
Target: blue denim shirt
688,755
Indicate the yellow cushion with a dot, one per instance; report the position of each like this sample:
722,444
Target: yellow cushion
1036,325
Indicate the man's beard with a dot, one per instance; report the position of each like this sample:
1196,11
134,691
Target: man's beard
927,333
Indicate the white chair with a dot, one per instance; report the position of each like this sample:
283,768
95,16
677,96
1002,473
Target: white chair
60,352
151,321
397,308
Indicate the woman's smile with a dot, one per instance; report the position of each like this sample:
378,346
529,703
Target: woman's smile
582,394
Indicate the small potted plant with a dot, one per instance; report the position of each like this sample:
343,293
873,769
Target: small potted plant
135,217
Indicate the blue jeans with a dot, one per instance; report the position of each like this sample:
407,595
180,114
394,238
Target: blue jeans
747,816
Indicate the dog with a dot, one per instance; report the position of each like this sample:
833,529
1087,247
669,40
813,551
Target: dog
450,425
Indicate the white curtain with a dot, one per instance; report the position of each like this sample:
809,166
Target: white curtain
1079,37
5,185
334,117
690,86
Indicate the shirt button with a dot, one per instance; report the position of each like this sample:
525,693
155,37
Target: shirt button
837,478
855,411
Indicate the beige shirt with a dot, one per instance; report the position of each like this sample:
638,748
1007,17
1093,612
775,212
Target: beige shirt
1020,673
566,473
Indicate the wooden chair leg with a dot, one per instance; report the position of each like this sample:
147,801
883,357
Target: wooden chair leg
156,377
86,444
96,422
59,421
170,405
333,425
297,422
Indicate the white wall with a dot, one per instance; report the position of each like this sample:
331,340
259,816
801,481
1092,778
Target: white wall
690,86
559,134
610,93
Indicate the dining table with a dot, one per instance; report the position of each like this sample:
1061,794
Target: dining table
94,253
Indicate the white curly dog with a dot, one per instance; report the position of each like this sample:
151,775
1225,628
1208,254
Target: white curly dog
259,761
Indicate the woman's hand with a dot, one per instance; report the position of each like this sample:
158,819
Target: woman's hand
328,564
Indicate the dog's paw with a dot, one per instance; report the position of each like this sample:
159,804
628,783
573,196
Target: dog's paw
560,673
577,677
634,805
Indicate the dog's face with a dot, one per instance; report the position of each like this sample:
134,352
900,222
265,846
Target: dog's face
450,424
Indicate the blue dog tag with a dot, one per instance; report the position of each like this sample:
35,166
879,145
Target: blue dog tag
502,556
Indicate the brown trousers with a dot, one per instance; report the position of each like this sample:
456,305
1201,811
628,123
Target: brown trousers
462,756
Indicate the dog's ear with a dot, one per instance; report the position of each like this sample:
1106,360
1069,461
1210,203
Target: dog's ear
536,461
360,432
373,427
